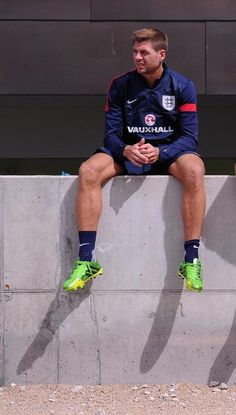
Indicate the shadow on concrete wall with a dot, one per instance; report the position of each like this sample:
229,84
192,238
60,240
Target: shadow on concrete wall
221,239
173,243
129,187
168,305
219,235
225,361
64,303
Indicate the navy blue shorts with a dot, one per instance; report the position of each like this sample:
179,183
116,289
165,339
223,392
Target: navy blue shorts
159,167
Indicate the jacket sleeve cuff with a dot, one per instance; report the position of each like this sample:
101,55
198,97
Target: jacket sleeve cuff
163,154
120,151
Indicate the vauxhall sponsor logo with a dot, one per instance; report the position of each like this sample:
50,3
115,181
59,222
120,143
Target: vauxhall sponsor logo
149,120
153,129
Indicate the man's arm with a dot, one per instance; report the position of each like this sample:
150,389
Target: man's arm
187,125
114,129
136,153
114,122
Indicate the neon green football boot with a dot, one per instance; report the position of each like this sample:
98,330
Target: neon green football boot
192,272
82,272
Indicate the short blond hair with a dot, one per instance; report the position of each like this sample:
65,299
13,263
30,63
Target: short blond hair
158,38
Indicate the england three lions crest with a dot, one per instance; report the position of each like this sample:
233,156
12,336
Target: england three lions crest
168,102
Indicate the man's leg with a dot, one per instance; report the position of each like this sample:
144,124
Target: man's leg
92,175
189,170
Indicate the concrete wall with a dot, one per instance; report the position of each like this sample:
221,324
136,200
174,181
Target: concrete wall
136,323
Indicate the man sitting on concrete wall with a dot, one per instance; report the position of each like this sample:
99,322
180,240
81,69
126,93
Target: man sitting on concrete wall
151,128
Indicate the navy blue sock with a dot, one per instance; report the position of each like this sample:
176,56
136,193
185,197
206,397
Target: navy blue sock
191,249
87,244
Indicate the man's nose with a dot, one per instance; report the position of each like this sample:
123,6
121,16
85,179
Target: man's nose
138,56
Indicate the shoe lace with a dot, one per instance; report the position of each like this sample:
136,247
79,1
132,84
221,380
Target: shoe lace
79,263
194,270
89,270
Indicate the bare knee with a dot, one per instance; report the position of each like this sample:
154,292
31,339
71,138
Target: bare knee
194,177
88,174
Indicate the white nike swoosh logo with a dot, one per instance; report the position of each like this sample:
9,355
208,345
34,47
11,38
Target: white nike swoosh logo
131,102
84,244
195,246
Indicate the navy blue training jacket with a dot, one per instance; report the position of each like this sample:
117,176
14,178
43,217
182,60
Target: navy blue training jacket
165,114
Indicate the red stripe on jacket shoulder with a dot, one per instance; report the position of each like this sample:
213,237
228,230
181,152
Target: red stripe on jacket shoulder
188,108
107,99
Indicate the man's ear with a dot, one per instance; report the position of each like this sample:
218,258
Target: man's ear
162,54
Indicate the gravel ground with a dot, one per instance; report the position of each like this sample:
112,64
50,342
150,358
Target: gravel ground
181,398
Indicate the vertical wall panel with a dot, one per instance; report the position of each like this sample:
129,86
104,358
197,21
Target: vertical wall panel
81,57
47,9
221,58
52,127
73,127
70,49
160,10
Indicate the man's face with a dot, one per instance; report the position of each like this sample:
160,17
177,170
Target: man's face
146,59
